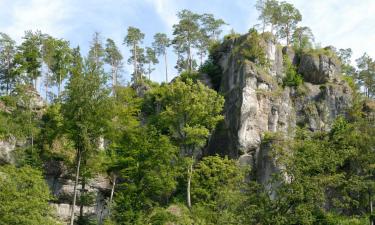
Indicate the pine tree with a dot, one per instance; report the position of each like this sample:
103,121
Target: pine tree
161,44
133,38
114,58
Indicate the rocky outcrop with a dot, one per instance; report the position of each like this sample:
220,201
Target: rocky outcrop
318,68
97,191
256,102
7,148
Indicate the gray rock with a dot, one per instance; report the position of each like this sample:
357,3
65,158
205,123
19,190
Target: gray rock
291,54
318,68
255,103
7,148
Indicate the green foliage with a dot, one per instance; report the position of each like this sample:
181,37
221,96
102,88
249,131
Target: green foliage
8,76
211,176
252,48
24,197
302,38
292,78
366,75
148,163
186,111
29,56
288,19
214,71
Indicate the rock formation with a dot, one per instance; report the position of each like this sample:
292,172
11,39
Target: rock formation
256,102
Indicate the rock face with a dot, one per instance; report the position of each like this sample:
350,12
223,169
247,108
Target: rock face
7,148
62,188
256,103
318,68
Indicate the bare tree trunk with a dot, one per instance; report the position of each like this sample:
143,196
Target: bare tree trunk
371,210
149,71
83,186
46,86
112,189
190,173
189,59
75,188
135,60
113,80
201,58
8,80
166,67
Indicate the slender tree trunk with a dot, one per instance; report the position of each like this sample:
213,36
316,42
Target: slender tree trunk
201,58
166,66
135,60
83,185
149,71
8,80
189,59
75,187
113,80
46,84
59,90
188,188
114,178
264,26
287,35
371,210
188,191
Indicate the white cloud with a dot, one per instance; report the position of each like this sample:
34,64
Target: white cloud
166,9
45,15
344,24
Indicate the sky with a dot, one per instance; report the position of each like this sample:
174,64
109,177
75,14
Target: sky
343,24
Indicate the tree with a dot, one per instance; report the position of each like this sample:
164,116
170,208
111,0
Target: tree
189,112
7,54
29,57
366,66
289,18
302,38
186,34
140,66
345,58
125,120
114,58
212,26
147,164
217,185
269,13
96,52
208,34
133,38
160,44
85,112
57,56
24,197
150,58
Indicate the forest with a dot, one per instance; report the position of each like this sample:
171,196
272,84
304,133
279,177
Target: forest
149,141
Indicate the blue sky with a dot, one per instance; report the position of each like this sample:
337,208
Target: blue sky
349,23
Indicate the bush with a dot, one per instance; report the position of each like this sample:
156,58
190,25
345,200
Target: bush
252,48
292,78
213,71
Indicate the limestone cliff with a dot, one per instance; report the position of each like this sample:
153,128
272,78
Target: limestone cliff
256,101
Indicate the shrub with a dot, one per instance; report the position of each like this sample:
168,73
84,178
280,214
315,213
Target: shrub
292,78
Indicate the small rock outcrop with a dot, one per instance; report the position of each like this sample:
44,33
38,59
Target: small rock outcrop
318,68
61,183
